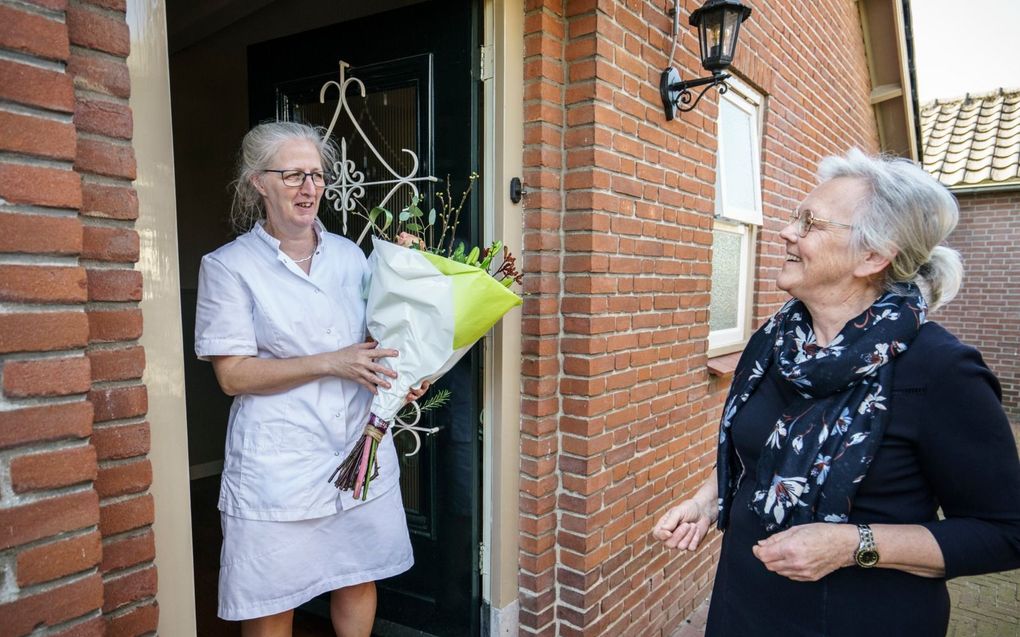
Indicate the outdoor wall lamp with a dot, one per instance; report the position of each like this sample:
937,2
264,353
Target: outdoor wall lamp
718,23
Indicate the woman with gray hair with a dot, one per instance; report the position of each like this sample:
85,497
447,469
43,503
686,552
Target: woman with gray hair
852,419
281,317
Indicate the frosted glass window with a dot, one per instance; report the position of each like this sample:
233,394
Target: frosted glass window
724,310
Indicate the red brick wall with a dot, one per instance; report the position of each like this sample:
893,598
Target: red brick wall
76,545
986,313
619,414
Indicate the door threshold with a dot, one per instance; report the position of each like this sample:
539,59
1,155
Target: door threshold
384,628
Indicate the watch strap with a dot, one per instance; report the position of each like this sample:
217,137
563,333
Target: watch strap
866,554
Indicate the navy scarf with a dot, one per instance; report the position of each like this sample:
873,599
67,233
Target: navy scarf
822,445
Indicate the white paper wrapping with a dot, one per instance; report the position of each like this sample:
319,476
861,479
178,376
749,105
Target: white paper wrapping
410,309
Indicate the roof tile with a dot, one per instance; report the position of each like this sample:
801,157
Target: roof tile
974,139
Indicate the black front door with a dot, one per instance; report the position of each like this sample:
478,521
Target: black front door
418,68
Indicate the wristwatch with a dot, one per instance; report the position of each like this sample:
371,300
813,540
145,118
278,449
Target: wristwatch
866,555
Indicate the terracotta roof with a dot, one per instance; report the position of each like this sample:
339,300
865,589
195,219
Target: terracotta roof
973,140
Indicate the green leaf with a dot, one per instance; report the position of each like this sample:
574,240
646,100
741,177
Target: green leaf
433,401
438,399
413,227
493,251
404,215
432,217
374,213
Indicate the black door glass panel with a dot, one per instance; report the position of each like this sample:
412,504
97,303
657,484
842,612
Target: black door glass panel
395,114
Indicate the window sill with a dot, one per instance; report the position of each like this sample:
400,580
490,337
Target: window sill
722,367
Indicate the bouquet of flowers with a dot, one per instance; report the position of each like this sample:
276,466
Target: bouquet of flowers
431,305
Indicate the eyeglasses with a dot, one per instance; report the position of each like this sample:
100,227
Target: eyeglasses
296,178
806,219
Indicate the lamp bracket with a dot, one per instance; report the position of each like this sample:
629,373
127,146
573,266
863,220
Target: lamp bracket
675,92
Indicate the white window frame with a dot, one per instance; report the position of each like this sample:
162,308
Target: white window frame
745,99
739,221
732,339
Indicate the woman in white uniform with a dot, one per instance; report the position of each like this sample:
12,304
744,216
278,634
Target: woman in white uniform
282,319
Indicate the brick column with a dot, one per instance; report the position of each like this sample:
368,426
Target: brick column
74,512
49,510
616,398
105,159
544,116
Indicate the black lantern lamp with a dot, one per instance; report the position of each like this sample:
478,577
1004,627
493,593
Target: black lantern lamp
718,23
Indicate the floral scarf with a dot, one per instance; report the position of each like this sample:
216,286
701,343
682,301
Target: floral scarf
822,445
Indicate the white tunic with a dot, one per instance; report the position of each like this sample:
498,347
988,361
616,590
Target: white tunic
289,534
253,300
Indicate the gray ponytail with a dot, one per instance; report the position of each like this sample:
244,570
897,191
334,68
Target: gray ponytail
941,276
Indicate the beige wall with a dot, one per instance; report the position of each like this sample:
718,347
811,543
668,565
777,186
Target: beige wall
164,373
504,117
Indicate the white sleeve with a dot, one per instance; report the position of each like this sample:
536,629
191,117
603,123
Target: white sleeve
224,323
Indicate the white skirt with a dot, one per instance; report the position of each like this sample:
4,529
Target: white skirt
268,567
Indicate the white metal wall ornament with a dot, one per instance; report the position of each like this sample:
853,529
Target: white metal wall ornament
348,187
399,427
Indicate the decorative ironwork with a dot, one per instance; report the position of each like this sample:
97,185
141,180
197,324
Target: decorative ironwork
399,427
674,92
348,186
718,23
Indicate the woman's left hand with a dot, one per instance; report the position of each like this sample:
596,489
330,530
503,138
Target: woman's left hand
808,552
415,394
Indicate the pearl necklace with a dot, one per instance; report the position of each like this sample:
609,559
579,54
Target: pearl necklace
312,253
315,236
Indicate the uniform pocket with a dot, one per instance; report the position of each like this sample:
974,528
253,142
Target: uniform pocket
276,438
280,466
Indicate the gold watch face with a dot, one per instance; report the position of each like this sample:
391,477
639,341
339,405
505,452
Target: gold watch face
867,558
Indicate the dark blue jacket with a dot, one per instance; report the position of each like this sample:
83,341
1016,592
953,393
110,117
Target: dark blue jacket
948,447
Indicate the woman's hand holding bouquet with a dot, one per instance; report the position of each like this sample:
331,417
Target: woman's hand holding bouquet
431,305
